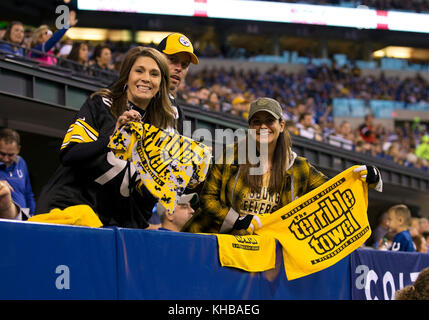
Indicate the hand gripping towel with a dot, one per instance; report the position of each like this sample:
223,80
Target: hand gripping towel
322,227
318,229
166,162
79,215
251,253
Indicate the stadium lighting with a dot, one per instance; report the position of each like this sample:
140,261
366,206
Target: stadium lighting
98,34
280,12
402,53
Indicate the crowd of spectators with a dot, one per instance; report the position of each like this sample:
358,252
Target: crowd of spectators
306,97
307,102
56,49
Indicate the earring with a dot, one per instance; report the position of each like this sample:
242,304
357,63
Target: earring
125,87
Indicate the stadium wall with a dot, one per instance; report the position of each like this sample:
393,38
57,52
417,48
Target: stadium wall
45,261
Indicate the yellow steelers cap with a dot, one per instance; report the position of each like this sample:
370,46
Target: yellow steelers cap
175,43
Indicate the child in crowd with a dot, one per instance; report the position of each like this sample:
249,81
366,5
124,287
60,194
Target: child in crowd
398,220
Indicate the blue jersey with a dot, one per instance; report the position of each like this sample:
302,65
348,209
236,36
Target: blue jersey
403,242
17,176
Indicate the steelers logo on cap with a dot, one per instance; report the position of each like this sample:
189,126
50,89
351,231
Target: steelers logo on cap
184,41
262,102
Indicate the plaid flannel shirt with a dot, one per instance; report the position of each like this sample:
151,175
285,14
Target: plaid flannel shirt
224,189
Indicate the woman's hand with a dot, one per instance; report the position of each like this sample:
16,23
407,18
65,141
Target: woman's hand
371,175
127,116
8,209
72,18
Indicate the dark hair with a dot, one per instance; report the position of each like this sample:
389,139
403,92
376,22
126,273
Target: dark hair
281,159
303,115
99,49
9,30
159,111
74,52
9,136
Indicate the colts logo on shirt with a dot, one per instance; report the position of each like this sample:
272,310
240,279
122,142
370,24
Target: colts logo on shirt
19,173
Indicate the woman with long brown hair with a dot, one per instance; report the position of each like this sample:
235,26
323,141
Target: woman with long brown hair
88,173
77,59
237,190
15,36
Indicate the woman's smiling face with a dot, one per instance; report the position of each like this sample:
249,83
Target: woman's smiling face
267,127
144,81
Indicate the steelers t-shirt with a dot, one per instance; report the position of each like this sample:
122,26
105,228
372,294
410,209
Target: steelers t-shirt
261,201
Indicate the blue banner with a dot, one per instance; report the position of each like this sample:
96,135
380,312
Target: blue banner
181,266
377,275
45,261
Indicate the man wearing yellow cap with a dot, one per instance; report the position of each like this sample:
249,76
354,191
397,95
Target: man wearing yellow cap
180,53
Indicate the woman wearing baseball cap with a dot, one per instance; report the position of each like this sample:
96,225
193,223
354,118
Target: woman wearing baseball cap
234,192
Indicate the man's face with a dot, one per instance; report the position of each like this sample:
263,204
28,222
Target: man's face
182,213
8,152
179,65
307,121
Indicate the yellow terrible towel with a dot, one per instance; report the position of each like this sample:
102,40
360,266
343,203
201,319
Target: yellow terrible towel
250,253
322,227
79,215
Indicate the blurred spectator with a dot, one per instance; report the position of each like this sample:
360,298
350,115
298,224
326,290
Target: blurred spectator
203,96
102,57
66,48
14,34
298,111
43,40
307,129
240,107
426,236
2,32
385,243
213,102
366,130
422,149
291,127
13,169
423,225
343,138
420,243
398,221
182,212
192,99
419,290
414,226
77,60
379,232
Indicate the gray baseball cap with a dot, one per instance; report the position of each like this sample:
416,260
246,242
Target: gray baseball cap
192,198
266,104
